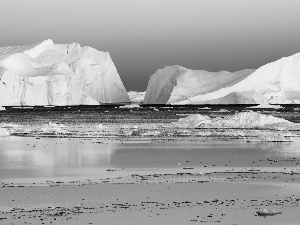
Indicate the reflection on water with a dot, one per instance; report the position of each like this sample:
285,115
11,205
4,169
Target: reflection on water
53,157
50,157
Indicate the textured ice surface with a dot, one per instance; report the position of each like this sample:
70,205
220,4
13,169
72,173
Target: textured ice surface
58,74
276,83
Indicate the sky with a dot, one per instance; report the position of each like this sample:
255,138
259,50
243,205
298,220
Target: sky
143,36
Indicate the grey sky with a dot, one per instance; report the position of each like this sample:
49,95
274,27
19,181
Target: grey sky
143,36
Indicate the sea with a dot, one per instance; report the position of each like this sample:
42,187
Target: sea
78,142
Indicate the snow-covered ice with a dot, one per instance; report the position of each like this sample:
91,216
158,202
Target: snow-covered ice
58,74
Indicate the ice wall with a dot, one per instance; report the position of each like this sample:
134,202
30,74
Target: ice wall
58,74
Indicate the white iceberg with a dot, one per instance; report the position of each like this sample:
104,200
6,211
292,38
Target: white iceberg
275,83
58,74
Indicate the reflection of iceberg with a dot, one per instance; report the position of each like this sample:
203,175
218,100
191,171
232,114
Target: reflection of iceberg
291,150
52,157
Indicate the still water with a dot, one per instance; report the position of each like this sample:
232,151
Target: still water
30,157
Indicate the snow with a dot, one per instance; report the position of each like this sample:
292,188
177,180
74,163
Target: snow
275,83
58,74
136,97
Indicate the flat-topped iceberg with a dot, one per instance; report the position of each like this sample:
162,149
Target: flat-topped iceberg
58,74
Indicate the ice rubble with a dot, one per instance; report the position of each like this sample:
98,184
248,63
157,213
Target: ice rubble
275,83
58,74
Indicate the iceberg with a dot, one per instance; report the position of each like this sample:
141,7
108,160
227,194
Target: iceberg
274,83
58,74
136,97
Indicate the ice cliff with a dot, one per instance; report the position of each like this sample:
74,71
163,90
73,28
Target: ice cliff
58,74
276,83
